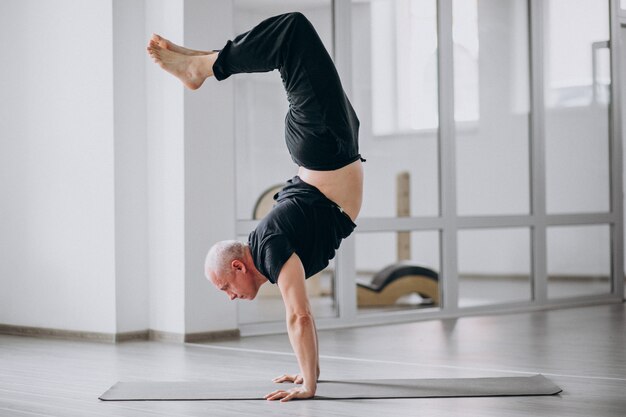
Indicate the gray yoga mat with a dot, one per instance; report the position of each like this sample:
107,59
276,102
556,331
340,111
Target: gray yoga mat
354,389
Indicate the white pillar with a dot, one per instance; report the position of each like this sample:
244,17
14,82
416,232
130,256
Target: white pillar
166,186
130,150
209,170
190,173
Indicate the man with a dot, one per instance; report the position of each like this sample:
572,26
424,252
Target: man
318,207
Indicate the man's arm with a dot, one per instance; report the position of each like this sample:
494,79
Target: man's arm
301,329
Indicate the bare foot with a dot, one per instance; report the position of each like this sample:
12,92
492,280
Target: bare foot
191,70
167,44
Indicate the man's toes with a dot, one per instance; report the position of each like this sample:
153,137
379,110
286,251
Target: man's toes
154,53
159,41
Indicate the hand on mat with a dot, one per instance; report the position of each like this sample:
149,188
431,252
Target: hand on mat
282,395
296,379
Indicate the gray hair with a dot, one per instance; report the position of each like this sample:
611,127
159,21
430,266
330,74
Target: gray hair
221,255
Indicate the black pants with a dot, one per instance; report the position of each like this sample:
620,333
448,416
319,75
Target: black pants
321,127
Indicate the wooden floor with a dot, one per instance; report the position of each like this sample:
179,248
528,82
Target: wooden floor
583,350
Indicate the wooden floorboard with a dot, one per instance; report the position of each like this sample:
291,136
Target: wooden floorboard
583,350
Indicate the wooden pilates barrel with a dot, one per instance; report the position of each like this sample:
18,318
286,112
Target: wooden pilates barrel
397,280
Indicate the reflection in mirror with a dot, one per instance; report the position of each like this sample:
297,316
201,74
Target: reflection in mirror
492,106
394,92
577,95
579,261
397,271
494,266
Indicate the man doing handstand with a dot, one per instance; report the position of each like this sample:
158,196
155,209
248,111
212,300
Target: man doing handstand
317,208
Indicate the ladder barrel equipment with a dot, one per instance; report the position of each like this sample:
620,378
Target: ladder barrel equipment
395,281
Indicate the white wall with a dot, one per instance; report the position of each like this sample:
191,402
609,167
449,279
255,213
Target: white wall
115,179
57,188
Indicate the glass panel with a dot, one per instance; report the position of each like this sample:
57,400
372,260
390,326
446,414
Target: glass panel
492,106
577,79
394,92
262,159
268,305
494,266
397,271
579,261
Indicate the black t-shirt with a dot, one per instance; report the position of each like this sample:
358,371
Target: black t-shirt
303,221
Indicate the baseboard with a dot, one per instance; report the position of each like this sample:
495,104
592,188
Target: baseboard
44,332
128,336
194,337
212,336
156,335
161,336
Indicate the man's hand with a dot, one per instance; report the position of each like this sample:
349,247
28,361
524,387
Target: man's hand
282,395
296,379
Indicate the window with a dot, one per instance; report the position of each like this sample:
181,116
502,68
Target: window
404,66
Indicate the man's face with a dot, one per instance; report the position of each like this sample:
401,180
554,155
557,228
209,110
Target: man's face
237,284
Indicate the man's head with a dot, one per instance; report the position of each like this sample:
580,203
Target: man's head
229,267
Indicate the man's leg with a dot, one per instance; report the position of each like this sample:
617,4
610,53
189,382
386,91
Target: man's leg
289,43
321,127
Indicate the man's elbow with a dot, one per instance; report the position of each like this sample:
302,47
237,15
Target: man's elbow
300,319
